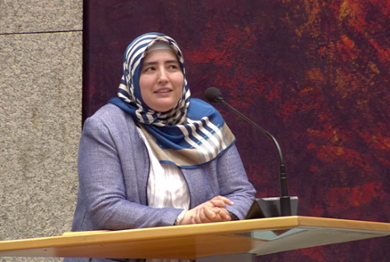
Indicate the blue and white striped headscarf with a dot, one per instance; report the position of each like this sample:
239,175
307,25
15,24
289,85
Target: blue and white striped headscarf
190,134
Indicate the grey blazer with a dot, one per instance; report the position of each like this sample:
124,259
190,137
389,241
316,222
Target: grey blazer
113,169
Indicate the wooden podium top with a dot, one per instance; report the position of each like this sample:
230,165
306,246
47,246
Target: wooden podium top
258,236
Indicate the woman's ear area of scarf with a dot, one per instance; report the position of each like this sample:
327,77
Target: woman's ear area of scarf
161,79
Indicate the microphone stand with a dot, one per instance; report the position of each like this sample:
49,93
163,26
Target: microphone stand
268,208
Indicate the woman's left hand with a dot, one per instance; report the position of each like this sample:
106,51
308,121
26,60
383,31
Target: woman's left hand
213,210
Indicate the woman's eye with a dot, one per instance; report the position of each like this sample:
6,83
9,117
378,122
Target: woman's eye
173,67
148,69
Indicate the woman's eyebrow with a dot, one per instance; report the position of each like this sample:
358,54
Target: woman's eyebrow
171,61
149,63
155,62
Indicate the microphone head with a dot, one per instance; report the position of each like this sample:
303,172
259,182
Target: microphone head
213,95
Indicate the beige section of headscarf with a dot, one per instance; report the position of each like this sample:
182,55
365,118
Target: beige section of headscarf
184,157
159,46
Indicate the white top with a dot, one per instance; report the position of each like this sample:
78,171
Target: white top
166,188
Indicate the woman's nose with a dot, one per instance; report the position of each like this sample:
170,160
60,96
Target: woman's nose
162,77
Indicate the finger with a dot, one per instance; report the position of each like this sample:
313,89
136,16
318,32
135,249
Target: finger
225,200
220,203
225,214
198,220
203,214
214,215
217,203
222,213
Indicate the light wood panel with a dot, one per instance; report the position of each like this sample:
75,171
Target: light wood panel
259,236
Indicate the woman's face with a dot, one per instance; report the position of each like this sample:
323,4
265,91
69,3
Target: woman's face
161,80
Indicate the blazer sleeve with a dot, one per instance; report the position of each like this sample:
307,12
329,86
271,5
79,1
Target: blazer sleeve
102,190
233,182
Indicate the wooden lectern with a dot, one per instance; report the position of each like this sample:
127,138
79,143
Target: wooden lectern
227,241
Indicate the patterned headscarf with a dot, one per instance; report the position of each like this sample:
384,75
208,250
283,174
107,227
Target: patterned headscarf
190,134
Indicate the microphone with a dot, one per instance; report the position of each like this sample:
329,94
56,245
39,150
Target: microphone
271,206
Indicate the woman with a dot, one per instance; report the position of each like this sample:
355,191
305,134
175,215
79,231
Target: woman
153,156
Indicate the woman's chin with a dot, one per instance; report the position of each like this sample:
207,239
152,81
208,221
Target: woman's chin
163,108
163,104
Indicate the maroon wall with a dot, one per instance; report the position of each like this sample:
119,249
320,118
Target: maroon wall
313,73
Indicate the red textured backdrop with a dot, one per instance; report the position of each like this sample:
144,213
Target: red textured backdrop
313,73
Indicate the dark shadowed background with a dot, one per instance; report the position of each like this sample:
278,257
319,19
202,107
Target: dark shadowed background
313,73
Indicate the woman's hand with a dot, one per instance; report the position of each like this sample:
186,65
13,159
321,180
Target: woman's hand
213,210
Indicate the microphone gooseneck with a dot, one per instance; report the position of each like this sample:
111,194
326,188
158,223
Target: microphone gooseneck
213,95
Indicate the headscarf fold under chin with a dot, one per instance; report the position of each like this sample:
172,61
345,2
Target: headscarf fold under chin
190,134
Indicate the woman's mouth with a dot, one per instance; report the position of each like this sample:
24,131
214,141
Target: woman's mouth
163,90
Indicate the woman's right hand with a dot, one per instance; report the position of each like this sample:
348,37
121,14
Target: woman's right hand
213,210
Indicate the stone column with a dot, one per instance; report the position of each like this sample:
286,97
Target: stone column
40,117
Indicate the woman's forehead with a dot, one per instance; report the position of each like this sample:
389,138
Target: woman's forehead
159,45
160,55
